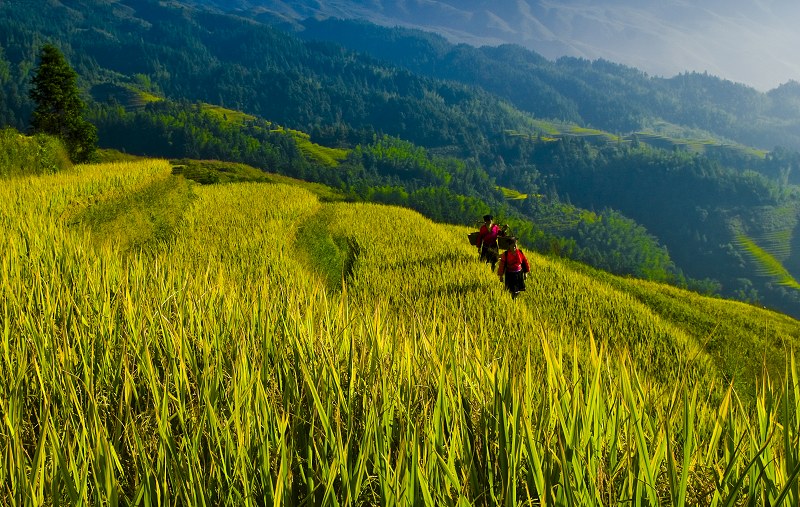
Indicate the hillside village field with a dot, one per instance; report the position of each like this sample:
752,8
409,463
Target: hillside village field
166,342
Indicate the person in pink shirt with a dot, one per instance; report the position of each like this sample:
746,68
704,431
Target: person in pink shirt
514,265
487,240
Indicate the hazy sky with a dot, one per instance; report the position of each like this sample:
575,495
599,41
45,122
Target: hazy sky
753,42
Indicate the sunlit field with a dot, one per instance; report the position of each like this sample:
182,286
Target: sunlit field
167,343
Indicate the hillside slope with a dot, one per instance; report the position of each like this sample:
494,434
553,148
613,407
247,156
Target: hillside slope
149,50
256,344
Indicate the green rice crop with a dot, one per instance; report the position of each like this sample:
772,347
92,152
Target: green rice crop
235,362
233,116
512,194
329,157
767,264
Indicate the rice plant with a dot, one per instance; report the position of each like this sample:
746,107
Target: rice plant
274,349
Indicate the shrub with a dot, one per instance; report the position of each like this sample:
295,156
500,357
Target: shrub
39,154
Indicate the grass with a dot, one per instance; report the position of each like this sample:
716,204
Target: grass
328,157
146,97
230,115
766,263
512,194
236,363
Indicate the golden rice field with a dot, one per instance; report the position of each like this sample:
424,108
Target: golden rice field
165,343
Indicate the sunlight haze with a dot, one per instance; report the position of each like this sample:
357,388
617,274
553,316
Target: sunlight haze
750,42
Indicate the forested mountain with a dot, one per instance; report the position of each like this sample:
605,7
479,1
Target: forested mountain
745,41
242,65
453,132
598,93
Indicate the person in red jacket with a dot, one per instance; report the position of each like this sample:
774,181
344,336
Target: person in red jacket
514,265
487,240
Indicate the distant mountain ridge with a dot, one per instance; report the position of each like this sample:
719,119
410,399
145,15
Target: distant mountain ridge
747,42
600,94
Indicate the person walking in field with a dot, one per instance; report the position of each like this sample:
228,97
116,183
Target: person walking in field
514,266
487,240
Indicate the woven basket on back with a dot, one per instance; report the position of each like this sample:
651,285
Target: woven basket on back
505,242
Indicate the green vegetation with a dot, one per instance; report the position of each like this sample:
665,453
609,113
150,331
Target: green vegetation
24,155
602,95
322,155
228,114
182,130
678,161
667,137
105,155
768,265
127,95
208,172
59,108
235,363
392,171
212,331
512,194
146,218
